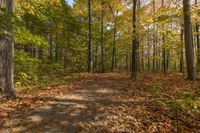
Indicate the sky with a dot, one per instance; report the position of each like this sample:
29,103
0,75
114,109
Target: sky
70,2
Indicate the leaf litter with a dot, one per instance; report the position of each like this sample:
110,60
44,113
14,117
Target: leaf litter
102,103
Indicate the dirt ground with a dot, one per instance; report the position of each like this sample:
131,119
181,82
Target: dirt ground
99,103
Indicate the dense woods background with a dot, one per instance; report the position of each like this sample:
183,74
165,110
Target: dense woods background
51,37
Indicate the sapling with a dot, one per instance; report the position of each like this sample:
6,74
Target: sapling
1,91
176,106
156,94
173,104
185,100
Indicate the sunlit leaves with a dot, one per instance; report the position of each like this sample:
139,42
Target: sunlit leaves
25,37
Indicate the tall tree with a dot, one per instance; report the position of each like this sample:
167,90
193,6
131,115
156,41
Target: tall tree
164,47
154,36
114,44
188,41
90,55
181,51
102,36
198,41
134,44
6,52
114,38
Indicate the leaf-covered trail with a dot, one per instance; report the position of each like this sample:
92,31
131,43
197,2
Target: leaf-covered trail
95,103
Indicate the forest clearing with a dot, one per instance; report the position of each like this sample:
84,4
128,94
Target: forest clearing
99,66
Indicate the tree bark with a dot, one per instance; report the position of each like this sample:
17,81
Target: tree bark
188,41
114,44
127,55
139,55
102,37
181,53
198,44
168,62
134,44
6,53
148,51
50,46
96,60
56,49
90,55
154,39
164,47
198,41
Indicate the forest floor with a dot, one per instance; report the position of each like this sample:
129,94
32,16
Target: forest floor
102,103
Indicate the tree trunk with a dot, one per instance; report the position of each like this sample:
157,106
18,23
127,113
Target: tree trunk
50,47
198,41
139,55
40,53
96,60
164,55
188,41
134,44
149,53
154,39
198,44
181,53
56,49
168,62
114,44
127,53
65,57
102,37
6,54
164,47
90,55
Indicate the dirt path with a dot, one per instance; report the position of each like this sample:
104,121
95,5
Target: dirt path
99,103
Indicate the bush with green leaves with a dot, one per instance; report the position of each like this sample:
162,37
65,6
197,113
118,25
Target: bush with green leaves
26,68
51,69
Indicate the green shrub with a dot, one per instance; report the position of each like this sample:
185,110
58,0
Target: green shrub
26,68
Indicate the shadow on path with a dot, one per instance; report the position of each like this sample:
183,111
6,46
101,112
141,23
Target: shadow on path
81,109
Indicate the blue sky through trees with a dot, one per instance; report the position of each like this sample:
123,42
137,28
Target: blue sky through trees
70,2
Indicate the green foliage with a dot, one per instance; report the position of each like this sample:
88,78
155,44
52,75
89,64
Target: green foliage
24,37
26,68
51,69
184,100
156,92
188,100
6,20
